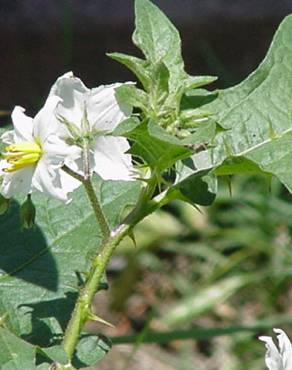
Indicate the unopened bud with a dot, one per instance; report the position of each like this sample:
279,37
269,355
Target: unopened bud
4,204
27,213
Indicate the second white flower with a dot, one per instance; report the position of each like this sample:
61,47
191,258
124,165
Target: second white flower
89,116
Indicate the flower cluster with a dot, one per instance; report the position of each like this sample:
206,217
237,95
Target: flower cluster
73,129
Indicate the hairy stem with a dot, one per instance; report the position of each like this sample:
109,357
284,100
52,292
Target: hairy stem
82,309
72,173
100,217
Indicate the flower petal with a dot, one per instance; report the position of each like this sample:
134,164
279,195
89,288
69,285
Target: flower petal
47,181
110,160
68,183
104,111
18,182
72,92
273,358
45,122
51,180
23,125
285,348
3,164
60,150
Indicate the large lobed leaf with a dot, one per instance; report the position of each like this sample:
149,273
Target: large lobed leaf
40,269
15,354
256,117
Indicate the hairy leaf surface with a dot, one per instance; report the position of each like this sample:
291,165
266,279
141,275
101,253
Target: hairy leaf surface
41,269
256,115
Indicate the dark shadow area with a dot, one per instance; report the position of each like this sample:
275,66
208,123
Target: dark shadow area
60,309
41,39
198,98
24,253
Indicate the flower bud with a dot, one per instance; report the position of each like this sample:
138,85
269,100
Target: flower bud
27,213
4,204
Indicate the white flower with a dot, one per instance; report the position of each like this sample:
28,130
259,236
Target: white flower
93,114
278,359
34,155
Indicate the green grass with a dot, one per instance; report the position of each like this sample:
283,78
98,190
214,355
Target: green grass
221,273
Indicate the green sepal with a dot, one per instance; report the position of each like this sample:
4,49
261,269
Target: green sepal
27,213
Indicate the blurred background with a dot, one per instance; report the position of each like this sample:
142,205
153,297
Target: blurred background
212,280
42,39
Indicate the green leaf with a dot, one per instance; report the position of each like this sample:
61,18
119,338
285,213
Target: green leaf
43,366
136,65
192,118
162,74
161,150
55,353
256,115
15,354
197,141
91,349
192,82
197,98
157,37
237,165
195,188
203,136
133,96
158,154
198,189
160,78
161,134
126,126
41,269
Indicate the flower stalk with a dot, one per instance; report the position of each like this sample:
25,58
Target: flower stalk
100,217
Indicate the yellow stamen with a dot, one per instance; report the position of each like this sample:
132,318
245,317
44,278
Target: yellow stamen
21,155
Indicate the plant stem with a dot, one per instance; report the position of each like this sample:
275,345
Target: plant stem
101,219
83,306
73,173
110,241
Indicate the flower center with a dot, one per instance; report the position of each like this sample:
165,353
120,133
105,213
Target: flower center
22,155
